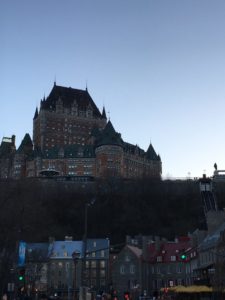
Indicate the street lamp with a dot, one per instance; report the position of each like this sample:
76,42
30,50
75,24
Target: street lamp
83,273
75,256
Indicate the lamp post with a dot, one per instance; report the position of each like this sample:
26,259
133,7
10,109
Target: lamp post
75,256
83,273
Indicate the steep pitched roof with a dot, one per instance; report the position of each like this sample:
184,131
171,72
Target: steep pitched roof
26,145
137,251
64,249
109,136
103,113
7,147
97,246
68,95
69,151
168,249
35,114
151,154
37,252
133,149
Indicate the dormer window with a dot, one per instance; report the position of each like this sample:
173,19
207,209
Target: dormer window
74,108
59,105
89,112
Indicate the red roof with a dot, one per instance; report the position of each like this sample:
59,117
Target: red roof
168,249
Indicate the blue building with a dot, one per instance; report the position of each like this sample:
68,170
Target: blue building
62,267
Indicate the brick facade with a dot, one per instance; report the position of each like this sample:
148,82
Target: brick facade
71,137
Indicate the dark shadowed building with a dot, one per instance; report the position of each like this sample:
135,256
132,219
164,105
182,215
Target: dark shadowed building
71,137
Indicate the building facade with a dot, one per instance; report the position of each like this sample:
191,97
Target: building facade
71,137
60,267
127,272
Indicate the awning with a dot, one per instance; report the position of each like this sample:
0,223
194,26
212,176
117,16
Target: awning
190,289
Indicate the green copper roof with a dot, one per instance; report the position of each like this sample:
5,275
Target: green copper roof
109,136
151,154
70,151
26,145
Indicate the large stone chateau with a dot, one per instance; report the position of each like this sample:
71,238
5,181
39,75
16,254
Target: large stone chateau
72,138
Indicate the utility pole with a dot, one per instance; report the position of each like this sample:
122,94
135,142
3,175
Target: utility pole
83,271
84,250
75,256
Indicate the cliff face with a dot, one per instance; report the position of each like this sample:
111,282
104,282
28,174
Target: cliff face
38,209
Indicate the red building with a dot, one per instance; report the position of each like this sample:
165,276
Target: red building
71,137
167,262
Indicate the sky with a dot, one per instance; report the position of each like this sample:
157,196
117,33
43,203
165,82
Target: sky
158,67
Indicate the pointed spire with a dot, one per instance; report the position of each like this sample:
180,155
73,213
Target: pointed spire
35,114
109,136
109,127
103,113
151,154
55,81
86,86
26,145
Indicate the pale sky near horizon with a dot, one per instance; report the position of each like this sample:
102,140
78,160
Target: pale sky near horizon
158,66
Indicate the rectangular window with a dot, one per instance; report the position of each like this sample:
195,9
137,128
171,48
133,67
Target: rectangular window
102,282
179,269
173,258
132,269
93,264
102,264
93,273
122,269
93,282
159,258
102,273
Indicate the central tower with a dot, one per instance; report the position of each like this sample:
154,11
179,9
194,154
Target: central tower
67,117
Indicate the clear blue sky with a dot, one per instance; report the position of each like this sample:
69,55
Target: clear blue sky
158,66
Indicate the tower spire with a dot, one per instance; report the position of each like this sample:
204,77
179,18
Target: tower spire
103,113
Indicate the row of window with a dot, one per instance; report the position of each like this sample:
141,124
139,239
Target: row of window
172,258
58,284
124,270
93,264
170,269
